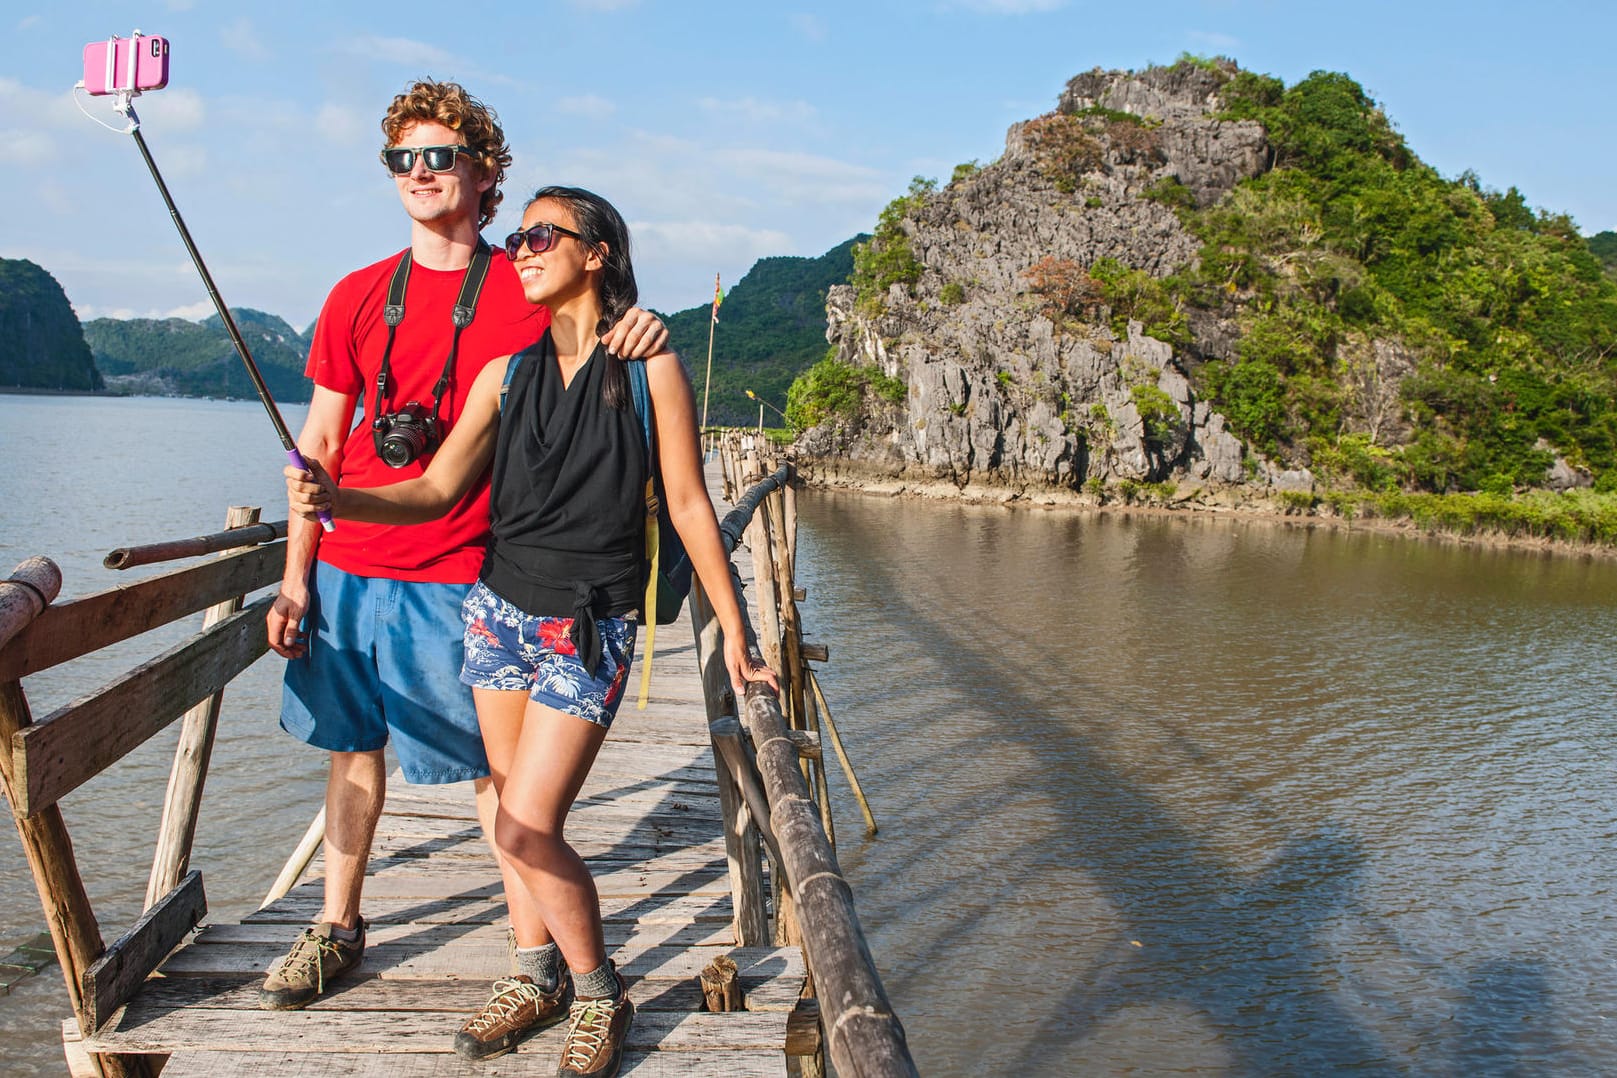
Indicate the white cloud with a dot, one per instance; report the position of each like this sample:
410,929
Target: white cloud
800,177
28,147
194,312
752,110
176,110
341,124
589,106
241,36
603,5
29,22
809,27
403,51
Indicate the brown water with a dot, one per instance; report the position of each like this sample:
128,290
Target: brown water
1205,796
1157,796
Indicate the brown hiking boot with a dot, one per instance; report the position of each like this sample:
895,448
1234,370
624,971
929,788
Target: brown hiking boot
316,959
595,1040
517,1007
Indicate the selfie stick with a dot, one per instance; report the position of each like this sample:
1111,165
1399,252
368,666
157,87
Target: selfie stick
126,106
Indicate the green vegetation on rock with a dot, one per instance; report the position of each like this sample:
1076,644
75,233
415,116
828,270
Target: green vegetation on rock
176,357
1506,312
41,343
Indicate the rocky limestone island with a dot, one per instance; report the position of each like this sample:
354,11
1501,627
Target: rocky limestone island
1015,383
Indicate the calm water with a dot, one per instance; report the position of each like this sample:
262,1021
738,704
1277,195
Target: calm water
1157,796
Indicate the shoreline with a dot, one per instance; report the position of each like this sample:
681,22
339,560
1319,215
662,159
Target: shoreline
1188,504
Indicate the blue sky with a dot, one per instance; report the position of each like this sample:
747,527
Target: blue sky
725,132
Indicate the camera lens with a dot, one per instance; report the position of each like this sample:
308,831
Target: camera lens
402,445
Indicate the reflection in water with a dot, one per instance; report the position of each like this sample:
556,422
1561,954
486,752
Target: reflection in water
1221,797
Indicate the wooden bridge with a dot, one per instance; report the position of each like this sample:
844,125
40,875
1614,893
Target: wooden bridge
719,888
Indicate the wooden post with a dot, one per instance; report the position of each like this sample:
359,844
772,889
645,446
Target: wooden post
301,856
189,774
74,932
741,839
721,990
824,710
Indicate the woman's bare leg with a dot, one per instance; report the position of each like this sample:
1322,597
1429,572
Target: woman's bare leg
499,716
552,757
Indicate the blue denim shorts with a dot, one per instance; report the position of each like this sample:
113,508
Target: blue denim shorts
509,649
384,658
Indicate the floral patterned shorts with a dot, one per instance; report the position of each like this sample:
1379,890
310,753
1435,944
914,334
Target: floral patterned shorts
512,650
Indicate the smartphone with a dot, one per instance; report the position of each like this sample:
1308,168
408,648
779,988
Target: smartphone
137,63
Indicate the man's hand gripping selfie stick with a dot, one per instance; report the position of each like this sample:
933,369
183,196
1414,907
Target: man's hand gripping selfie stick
126,106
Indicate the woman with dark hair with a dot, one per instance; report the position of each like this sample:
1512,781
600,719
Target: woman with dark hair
550,625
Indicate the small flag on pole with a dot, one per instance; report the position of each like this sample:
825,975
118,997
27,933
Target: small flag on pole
718,297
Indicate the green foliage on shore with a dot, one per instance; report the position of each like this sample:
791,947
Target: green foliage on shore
1351,239
771,329
41,343
1582,516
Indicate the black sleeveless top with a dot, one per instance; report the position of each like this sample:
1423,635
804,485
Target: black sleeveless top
567,498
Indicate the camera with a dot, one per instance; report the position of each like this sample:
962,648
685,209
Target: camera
405,436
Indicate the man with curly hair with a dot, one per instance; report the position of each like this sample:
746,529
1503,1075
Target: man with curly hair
369,615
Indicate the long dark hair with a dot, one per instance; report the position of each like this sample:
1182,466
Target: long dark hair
602,226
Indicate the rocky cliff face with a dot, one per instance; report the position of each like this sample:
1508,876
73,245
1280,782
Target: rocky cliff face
1015,381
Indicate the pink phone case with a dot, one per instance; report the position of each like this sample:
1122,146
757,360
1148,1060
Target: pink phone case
108,70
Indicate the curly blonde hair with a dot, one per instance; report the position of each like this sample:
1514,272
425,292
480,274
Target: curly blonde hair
449,104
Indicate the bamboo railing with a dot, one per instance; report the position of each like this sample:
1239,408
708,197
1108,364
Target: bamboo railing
41,762
772,781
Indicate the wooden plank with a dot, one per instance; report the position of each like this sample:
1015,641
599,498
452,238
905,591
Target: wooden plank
79,1062
490,938
76,628
429,962
79,741
114,978
371,993
627,879
632,830
395,1032
303,905
523,1064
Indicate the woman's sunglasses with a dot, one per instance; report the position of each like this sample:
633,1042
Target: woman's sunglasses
400,160
540,238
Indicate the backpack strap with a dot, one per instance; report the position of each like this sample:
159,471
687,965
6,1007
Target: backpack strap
640,392
510,370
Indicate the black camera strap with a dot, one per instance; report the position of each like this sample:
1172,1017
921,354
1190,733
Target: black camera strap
471,286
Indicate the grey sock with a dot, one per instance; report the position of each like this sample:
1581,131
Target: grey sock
542,965
347,935
599,983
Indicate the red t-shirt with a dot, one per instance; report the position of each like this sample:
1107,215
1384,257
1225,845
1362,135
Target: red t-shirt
349,340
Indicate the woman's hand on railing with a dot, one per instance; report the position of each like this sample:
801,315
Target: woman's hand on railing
308,491
743,668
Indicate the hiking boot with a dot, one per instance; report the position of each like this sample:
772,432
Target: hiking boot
595,1040
316,959
517,1008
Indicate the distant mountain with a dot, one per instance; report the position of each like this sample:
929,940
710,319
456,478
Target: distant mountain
1604,246
176,357
41,344
771,329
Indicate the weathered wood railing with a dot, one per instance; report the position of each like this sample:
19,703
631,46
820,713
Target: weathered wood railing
41,762
766,752
765,786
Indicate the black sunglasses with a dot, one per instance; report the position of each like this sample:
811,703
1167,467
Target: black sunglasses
400,160
540,238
